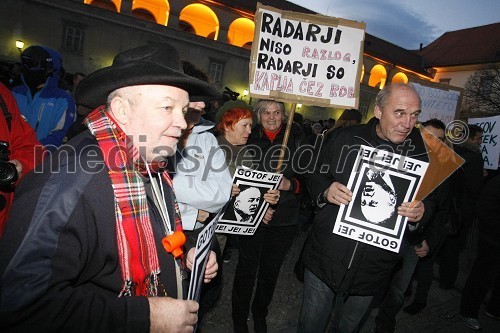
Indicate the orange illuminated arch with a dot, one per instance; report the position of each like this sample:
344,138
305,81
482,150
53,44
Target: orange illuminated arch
378,76
112,5
200,20
241,32
151,10
400,78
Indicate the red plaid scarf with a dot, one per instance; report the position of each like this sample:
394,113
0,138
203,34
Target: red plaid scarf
136,245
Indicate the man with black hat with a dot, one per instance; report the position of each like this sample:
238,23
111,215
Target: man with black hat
49,109
98,233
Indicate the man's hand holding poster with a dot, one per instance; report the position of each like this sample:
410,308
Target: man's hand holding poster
245,211
380,181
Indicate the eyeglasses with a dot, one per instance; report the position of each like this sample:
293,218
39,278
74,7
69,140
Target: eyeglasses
33,64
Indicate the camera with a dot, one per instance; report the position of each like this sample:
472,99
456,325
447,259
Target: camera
229,95
8,171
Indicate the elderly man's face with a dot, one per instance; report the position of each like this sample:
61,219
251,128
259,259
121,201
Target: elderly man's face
248,201
377,204
399,116
155,119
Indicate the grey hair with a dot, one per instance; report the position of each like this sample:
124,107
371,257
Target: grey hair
383,96
263,104
127,93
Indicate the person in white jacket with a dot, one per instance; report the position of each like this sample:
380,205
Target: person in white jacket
202,184
202,181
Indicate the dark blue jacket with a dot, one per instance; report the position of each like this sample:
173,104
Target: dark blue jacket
51,111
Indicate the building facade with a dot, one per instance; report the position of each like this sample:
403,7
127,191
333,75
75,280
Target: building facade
216,36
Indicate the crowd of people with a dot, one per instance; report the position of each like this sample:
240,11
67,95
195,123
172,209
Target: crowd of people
82,239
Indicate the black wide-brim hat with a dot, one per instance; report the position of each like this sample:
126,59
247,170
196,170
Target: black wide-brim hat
157,64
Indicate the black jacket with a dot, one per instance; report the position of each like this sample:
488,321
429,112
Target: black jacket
59,261
265,156
467,183
328,255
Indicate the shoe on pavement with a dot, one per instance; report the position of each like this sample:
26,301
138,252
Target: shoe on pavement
491,315
414,308
471,323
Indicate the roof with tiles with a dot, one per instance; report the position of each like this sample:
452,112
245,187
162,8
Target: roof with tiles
394,54
478,45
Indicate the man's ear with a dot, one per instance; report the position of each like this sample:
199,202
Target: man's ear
120,110
377,112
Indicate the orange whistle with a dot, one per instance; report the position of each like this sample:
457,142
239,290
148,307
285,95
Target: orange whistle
173,243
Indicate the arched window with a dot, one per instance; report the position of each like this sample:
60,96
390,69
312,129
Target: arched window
378,76
151,10
143,14
201,19
241,32
400,78
112,5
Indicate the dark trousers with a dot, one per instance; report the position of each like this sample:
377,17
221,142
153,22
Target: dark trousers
394,297
260,256
485,274
211,292
450,255
424,272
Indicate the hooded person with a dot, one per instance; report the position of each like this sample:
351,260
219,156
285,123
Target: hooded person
95,239
49,109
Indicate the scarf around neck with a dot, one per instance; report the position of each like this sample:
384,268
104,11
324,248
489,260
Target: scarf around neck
134,234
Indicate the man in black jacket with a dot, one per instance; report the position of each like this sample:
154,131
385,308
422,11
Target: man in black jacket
466,185
84,251
338,266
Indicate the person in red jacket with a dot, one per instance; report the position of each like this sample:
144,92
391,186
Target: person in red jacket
19,147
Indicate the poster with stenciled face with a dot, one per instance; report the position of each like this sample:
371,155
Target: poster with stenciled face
380,181
245,211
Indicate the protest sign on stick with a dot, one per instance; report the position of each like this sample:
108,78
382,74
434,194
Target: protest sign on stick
304,58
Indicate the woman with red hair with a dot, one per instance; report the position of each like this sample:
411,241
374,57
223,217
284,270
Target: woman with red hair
234,124
234,127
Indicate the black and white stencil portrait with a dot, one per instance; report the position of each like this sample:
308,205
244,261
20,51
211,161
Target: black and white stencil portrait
243,213
378,197
381,181
245,205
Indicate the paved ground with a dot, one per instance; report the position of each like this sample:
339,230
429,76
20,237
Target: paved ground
441,314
